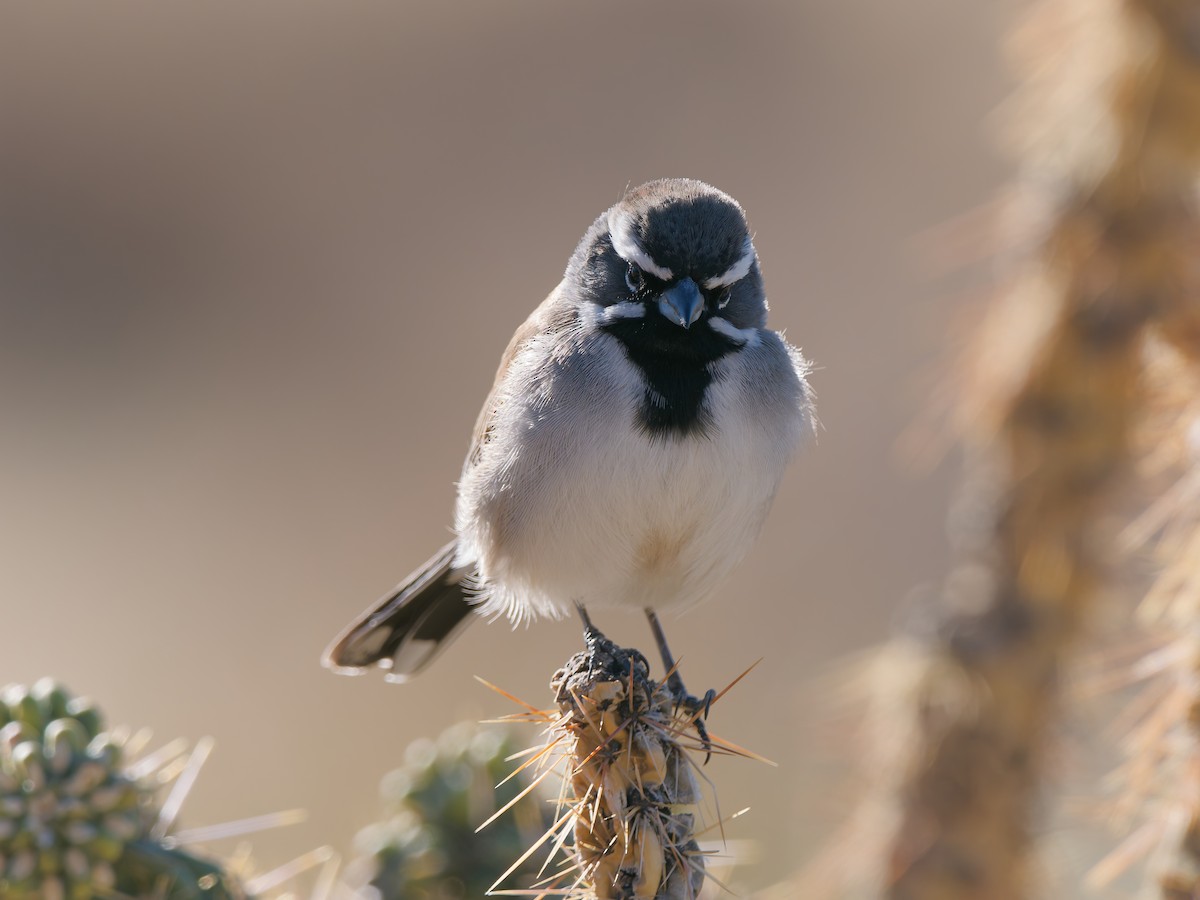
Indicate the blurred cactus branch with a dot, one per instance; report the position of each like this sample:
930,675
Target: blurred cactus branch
1050,446
1157,807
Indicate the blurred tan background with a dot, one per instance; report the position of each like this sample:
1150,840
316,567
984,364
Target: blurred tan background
257,265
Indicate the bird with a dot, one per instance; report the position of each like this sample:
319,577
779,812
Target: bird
631,445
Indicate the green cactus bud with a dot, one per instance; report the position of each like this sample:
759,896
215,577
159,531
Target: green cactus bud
48,863
65,741
14,733
78,834
76,865
83,711
74,823
21,866
27,766
51,697
105,846
105,750
22,706
107,797
88,775
103,876
427,844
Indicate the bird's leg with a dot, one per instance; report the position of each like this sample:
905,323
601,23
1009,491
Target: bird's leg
591,634
696,706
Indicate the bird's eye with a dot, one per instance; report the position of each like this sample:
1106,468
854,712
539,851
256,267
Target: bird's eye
723,298
634,279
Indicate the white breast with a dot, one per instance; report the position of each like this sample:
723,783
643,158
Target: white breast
575,503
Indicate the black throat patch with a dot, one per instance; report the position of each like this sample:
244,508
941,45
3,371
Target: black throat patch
675,362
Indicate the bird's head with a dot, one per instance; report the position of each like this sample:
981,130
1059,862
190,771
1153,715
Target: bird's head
675,249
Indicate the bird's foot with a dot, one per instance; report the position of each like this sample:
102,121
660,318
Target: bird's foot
608,657
696,709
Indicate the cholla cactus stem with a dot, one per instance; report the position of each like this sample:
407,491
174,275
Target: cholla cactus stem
630,805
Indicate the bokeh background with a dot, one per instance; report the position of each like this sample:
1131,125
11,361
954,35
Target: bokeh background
258,263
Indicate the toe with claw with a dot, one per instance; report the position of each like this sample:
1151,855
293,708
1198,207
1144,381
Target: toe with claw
696,707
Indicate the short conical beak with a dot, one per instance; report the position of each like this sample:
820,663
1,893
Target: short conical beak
682,304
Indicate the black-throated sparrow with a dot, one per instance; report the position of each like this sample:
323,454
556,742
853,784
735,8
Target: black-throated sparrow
631,444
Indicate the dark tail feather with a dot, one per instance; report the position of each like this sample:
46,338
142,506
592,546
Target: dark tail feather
405,629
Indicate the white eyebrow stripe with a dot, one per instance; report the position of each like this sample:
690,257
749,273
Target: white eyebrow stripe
630,250
736,272
745,336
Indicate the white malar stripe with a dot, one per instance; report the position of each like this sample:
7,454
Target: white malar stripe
626,244
626,309
736,272
593,315
745,336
